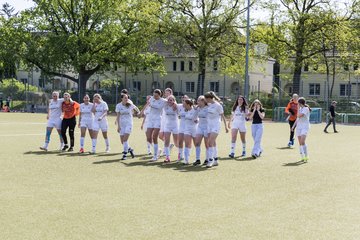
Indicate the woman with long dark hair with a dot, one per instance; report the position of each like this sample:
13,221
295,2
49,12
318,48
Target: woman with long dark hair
237,124
257,114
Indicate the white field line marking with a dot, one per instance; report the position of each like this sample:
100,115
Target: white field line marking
21,135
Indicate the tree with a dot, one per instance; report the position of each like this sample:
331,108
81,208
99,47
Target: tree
209,28
299,23
84,36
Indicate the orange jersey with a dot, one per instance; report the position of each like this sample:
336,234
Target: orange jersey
292,109
70,110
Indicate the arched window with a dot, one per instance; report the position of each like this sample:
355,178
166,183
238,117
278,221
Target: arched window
169,85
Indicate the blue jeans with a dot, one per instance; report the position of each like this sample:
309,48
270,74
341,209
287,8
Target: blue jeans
257,132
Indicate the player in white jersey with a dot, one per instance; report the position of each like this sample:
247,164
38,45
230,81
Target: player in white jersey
237,123
124,111
167,92
181,111
302,125
145,122
215,114
156,103
201,130
171,125
190,128
100,110
86,120
54,119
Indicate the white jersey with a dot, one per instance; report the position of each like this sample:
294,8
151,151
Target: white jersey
214,112
55,108
170,115
190,118
156,107
181,111
202,115
239,116
126,113
304,121
100,108
85,110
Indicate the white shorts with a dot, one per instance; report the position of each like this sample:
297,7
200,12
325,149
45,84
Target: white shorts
173,128
203,131
239,126
86,123
190,131
213,128
54,123
154,123
162,124
302,131
97,125
125,129
181,126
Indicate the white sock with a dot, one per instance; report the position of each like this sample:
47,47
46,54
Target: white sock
181,152
301,150
148,146
156,149
46,144
210,153
82,139
167,151
187,154
232,149
207,154
93,144
198,151
305,150
215,152
126,146
244,146
107,142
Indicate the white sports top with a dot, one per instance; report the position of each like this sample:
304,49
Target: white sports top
55,108
239,115
304,122
100,108
171,115
214,112
85,110
156,107
126,112
190,117
202,115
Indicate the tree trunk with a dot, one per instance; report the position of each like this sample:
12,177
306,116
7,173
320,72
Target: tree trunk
82,81
297,75
202,72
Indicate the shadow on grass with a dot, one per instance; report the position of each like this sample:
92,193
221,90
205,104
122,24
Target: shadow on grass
41,152
245,159
294,164
284,148
107,161
174,166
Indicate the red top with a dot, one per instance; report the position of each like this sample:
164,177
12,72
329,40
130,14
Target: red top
70,109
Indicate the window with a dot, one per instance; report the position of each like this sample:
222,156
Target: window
214,86
23,80
215,65
190,87
136,86
174,65
306,67
190,66
345,90
182,66
314,89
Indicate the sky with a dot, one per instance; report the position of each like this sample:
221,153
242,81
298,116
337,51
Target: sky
18,4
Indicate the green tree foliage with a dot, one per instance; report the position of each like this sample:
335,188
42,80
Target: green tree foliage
85,36
15,89
209,29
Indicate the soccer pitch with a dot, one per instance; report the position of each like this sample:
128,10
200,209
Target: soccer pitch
53,195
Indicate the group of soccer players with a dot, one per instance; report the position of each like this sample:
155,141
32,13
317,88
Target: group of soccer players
189,123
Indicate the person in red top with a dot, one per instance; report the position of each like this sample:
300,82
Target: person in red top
292,109
70,110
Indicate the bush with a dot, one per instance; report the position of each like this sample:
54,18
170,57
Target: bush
15,89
